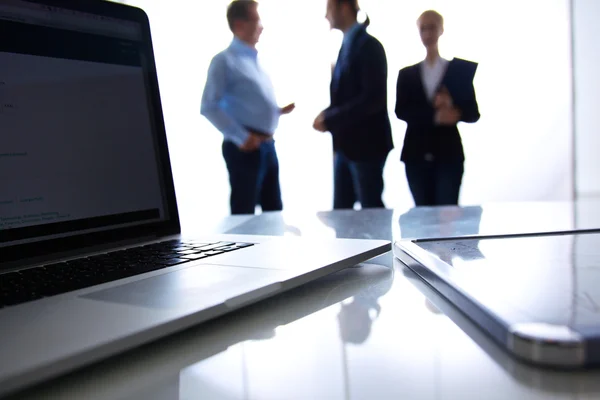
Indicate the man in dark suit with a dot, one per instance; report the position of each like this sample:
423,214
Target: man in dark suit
357,117
433,154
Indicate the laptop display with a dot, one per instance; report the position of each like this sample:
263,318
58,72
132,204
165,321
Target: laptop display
79,150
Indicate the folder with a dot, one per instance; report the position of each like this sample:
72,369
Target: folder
459,80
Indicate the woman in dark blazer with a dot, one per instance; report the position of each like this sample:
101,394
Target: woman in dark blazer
433,153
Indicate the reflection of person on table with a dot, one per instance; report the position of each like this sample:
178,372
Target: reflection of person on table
443,222
432,152
356,317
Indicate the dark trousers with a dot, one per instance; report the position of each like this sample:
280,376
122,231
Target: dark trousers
434,183
254,178
357,181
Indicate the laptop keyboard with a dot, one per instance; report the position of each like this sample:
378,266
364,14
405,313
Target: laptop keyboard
53,279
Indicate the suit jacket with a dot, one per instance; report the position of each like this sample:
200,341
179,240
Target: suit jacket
424,139
358,116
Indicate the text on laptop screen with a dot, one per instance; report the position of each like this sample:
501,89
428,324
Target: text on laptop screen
77,152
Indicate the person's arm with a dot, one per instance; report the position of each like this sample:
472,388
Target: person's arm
211,103
372,98
287,109
406,110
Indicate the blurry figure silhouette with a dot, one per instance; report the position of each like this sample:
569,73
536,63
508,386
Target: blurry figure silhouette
240,102
432,97
357,116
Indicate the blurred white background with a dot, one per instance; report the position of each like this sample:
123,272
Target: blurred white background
586,58
521,149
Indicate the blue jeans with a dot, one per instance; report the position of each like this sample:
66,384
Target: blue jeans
434,183
357,181
254,178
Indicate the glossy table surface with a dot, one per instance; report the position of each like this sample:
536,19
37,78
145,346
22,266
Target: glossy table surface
370,332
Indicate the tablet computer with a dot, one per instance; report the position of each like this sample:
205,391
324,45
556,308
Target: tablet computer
538,295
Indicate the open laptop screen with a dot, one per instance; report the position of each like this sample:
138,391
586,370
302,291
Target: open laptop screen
77,149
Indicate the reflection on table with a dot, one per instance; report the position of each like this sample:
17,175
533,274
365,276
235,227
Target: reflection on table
370,332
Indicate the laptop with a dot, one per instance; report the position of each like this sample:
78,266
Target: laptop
92,261
165,372
538,295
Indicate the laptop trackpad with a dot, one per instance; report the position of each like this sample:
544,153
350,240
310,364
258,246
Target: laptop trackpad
193,287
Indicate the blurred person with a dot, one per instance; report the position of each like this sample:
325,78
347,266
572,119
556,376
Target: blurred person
357,116
239,100
433,153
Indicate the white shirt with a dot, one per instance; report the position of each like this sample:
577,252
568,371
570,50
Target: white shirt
432,76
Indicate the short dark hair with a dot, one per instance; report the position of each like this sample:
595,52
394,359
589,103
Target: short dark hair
239,10
352,3
355,8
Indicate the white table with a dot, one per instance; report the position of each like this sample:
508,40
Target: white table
370,332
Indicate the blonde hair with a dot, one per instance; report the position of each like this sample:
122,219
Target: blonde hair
433,14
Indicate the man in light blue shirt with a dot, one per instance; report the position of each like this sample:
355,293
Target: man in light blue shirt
239,100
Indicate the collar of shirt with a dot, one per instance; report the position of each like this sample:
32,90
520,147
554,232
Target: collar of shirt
351,33
439,63
240,47
432,75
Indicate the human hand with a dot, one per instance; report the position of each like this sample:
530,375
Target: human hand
442,99
252,143
319,124
448,116
288,109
